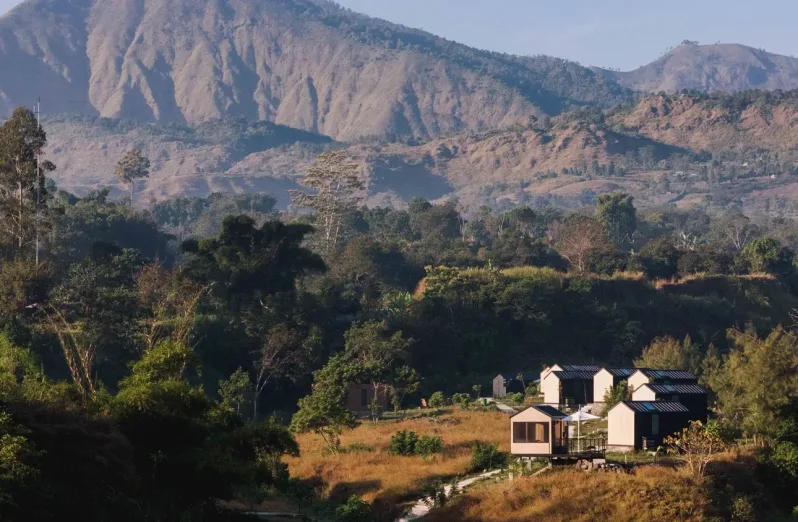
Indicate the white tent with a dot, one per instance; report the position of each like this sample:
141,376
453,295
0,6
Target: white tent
578,417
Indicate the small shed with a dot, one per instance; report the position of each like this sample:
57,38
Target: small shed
568,388
693,396
647,375
359,397
509,382
538,431
607,378
631,423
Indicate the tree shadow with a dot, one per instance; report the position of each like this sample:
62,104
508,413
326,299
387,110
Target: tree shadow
343,490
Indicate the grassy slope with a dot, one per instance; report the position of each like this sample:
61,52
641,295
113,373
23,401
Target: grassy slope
650,494
386,479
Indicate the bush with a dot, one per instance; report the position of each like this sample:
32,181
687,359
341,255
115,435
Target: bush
486,456
428,445
437,400
354,510
516,398
463,399
403,443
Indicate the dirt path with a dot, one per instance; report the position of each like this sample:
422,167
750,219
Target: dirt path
421,508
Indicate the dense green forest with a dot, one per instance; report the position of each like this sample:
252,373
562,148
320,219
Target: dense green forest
151,360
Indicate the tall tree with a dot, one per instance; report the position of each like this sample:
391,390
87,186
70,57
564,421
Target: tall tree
669,354
334,191
22,179
376,352
575,237
618,216
132,167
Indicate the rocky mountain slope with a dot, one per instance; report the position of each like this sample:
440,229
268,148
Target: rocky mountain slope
710,68
308,64
627,149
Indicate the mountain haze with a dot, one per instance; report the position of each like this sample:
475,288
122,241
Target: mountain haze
307,64
709,68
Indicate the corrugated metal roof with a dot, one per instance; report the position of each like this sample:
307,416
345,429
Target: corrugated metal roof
551,411
682,389
668,375
580,368
575,375
657,406
621,372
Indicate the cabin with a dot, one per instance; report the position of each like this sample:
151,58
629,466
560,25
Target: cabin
568,388
509,382
567,368
541,431
359,397
538,431
608,378
644,425
693,396
647,375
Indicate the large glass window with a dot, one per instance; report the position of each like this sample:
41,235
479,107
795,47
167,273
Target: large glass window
527,432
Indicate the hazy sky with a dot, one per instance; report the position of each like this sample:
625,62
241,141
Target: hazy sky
608,33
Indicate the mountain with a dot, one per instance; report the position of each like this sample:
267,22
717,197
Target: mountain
710,68
307,64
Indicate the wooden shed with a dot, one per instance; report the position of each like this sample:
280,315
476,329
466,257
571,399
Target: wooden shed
538,431
607,378
568,388
359,397
647,375
693,396
509,382
638,425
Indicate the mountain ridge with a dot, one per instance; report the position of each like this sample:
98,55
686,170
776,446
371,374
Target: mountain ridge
710,68
309,65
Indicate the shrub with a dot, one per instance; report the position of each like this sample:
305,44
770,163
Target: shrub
437,400
428,445
403,443
485,455
516,398
354,510
463,399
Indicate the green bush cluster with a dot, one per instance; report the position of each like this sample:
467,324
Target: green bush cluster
407,442
485,456
462,399
437,400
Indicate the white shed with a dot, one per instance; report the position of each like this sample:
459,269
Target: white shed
538,431
607,378
647,375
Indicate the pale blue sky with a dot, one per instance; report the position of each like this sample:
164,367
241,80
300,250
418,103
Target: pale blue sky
608,33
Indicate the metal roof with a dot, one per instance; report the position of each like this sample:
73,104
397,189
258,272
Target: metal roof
680,389
656,406
668,375
575,375
551,411
580,368
621,372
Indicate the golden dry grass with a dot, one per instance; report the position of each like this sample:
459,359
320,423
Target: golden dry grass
650,494
386,479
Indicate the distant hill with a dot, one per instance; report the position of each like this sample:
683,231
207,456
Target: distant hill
710,68
586,150
307,64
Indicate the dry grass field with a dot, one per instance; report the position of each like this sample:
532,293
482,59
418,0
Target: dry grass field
649,494
367,469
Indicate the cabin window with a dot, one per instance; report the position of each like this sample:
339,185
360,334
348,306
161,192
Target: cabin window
655,424
531,432
364,400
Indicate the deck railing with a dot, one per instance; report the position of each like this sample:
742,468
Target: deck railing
585,445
